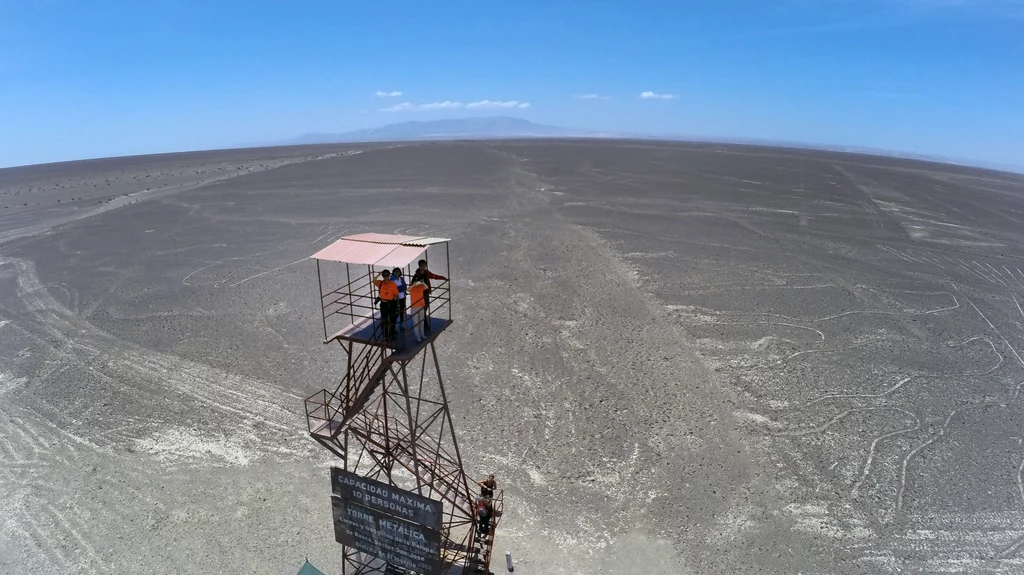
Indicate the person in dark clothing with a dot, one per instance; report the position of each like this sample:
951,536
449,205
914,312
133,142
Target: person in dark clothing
483,515
427,275
487,486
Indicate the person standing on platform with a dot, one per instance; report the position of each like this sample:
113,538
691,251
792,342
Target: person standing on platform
396,276
427,276
387,295
418,305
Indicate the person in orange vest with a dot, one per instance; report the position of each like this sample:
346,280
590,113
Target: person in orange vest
418,305
387,296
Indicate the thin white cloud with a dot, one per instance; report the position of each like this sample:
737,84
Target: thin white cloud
656,96
449,105
432,106
446,105
592,97
497,105
380,94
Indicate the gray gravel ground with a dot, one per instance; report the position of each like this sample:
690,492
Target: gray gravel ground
676,358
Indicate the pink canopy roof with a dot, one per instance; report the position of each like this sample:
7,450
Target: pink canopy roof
386,250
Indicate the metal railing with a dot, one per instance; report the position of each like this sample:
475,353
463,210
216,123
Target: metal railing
355,304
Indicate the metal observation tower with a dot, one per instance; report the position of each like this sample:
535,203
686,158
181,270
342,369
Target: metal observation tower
401,499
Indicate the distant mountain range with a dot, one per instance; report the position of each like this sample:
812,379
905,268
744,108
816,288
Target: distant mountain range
452,129
499,127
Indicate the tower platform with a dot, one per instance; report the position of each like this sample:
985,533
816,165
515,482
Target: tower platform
366,331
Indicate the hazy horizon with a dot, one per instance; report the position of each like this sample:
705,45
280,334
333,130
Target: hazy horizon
927,77
296,141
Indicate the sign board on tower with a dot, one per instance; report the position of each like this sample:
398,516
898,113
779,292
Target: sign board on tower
391,524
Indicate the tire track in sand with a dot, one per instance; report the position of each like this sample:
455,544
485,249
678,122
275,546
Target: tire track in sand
89,408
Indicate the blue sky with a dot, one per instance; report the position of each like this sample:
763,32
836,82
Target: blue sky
100,78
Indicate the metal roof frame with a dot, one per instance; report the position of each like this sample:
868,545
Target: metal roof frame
374,249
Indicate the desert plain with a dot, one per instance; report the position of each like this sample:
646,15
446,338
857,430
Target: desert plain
675,357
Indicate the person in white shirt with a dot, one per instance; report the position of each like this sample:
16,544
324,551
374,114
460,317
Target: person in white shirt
396,276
